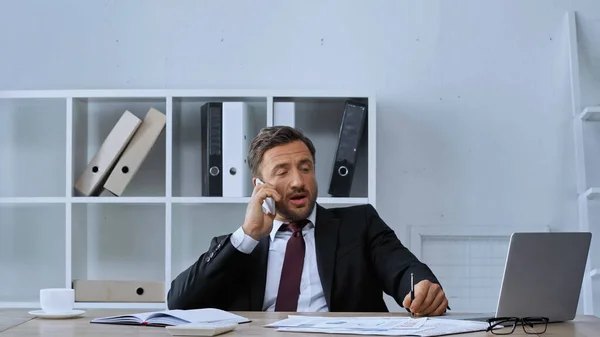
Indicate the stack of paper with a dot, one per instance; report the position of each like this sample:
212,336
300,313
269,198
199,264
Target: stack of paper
383,326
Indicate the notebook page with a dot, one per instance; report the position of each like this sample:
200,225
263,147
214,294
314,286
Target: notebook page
127,318
204,315
166,320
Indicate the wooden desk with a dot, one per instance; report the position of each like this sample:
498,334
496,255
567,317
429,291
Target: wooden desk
12,317
582,326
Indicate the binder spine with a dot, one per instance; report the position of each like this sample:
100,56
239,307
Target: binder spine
344,164
91,181
136,152
212,168
237,136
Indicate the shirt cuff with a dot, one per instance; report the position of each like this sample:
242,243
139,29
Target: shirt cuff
242,242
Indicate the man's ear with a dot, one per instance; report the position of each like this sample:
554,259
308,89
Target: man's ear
254,181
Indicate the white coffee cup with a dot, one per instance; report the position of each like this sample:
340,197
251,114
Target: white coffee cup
57,300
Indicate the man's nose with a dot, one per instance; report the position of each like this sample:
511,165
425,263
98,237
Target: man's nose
297,180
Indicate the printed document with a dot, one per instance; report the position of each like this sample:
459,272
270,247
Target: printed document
382,326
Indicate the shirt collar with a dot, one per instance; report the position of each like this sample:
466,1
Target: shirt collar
277,223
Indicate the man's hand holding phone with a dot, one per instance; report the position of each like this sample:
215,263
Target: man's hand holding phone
258,223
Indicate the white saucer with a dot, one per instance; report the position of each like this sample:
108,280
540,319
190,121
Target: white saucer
59,315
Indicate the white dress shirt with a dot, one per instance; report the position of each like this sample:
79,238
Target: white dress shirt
311,297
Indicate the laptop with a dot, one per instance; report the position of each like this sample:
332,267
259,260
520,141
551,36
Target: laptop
543,276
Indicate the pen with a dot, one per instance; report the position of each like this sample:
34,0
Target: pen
412,290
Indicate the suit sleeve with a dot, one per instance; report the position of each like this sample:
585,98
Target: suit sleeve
206,281
392,261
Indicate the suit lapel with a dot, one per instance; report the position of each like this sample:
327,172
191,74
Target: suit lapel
326,239
257,292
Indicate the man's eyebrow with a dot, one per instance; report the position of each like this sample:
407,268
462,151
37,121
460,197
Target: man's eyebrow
306,161
285,165
280,165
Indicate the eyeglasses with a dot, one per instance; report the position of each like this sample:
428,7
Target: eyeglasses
531,325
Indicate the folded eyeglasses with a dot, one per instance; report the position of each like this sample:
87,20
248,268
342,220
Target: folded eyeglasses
507,325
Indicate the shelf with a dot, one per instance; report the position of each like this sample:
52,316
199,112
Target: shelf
591,113
144,93
245,200
584,98
189,156
118,200
589,217
33,200
121,305
194,226
32,147
51,234
210,200
32,250
118,242
163,200
90,305
93,120
592,193
588,138
342,201
320,120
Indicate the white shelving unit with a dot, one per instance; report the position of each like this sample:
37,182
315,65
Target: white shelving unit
586,123
50,236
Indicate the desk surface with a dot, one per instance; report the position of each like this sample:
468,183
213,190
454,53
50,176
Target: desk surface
24,325
12,317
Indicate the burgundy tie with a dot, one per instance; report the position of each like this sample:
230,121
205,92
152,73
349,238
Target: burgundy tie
291,273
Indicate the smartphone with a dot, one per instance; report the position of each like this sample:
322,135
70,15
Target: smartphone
268,205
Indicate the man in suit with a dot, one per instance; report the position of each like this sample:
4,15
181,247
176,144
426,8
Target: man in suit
305,257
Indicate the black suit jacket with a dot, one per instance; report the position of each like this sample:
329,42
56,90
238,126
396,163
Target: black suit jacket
358,256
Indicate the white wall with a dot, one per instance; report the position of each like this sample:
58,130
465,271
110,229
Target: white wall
473,96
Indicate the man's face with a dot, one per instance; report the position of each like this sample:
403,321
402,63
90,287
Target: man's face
290,168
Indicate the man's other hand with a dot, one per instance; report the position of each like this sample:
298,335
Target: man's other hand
430,300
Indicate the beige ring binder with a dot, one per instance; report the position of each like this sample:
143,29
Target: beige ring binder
135,153
90,181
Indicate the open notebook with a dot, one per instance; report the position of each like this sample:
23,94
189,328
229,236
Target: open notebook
173,317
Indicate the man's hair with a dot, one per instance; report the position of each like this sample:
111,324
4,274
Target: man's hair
271,137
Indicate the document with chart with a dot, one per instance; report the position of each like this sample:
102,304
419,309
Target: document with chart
382,326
